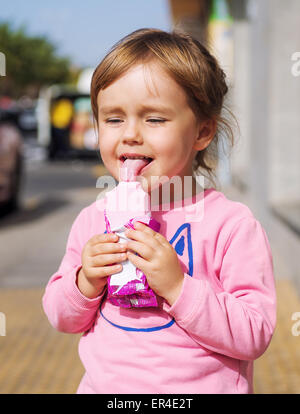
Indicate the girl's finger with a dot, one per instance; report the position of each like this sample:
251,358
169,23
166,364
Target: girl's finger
139,262
141,236
149,232
142,249
105,270
141,226
107,259
103,238
153,234
102,248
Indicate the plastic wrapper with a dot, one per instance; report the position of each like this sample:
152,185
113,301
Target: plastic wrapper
124,205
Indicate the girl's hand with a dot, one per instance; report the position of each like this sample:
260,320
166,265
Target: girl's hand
97,256
158,260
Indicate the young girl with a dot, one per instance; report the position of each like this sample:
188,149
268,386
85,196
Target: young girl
160,95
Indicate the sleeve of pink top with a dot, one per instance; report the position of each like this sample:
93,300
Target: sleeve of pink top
240,320
67,309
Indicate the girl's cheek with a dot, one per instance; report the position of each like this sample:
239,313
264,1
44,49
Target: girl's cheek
168,147
107,140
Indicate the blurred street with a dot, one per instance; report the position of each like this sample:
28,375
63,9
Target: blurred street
34,358
32,242
52,195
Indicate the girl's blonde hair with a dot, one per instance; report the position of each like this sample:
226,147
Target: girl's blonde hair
190,64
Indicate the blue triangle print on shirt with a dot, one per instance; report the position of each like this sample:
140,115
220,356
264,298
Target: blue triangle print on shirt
182,243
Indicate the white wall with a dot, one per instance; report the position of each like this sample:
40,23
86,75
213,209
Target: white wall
284,102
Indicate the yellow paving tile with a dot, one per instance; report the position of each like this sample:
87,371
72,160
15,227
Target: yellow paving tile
35,359
277,371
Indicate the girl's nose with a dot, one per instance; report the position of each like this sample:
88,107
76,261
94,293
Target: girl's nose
132,133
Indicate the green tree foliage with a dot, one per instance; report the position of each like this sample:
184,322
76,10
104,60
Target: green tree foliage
31,62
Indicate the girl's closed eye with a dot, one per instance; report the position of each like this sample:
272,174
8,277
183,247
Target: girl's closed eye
113,121
156,120
151,120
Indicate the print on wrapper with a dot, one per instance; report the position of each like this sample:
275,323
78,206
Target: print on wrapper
182,243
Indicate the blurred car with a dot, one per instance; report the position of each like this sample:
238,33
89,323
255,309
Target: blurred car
11,162
27,120
65,123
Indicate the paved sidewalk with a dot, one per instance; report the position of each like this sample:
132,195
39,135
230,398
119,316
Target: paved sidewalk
278,370
35,359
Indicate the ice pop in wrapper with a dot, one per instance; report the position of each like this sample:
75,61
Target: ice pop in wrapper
124,205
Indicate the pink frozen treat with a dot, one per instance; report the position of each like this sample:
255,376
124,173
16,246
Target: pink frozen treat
124,205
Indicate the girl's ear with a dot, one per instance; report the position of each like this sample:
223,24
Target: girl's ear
206,132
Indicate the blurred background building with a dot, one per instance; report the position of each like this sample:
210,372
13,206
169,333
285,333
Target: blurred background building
257,42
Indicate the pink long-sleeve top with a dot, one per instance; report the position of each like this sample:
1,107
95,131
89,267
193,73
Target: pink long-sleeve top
206,342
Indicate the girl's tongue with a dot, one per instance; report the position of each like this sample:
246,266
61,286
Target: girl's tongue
131,169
